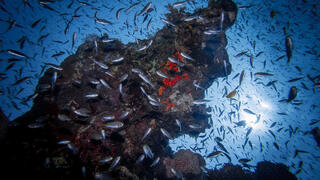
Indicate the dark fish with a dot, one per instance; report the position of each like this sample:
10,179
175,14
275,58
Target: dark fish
292,94
35,23
241,77
273,124
276,146
259,54
244,160
295,79
249,131
241,54
74,37
251,61
274,136
145,9
280,57
299,151
314,121
21,80
249,111
58,54
10,66
261,74
289,48
118,13
241,123
221,146
214,154
132,6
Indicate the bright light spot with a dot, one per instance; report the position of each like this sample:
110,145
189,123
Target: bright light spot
265,105
252,120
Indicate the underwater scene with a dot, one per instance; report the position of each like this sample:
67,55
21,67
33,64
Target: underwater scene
145,89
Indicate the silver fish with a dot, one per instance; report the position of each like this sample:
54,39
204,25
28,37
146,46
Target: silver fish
101,65
147,151
175,61
82,112
94,95
143,91
161,74
155,162
16,53
146,80
186,56
103,134
117,60
106,159
120,89
178,124
104,83
93,81
108,117
165,133
177,173
222,20
74,37
58,68
201,101
180,3
64,142
154,103
124,114
210,32
194,126
145,9
114,163
150,42
140,159
114,125
190,18
107,40
136,70
123,77
132,6
54,79
101,21
146,133
167,22
142,48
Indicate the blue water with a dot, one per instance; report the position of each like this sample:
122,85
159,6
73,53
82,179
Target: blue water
253,26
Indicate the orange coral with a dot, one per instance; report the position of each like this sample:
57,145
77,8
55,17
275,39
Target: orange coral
169,105
161,89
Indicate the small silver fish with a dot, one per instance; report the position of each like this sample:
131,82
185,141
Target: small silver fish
64,142
186,56
93,81
58,68
82,112
117,60
106,159
114,125
145,9
167,22
201,101
143,91
146,133
103,134
140,159
179,124
190,18
180,3
118,13
123,77
94,95
175,61
101,65
114,163
142,48
108,117
147,151
149,44
154,103
155,162
136,70
161,74
176,173
104,83
165,133
146,80
222,20
194,126
124,114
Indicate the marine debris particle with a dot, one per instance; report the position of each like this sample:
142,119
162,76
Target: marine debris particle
113,123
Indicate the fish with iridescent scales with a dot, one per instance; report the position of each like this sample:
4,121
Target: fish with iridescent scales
108,117
186,56
140,158
105,159
201,101
114,163
114,125
62,142
155,162
166,133
161,74
101,65
147,151
146,133
83,112
178,124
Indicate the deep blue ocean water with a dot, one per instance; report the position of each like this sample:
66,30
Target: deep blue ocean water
255,31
